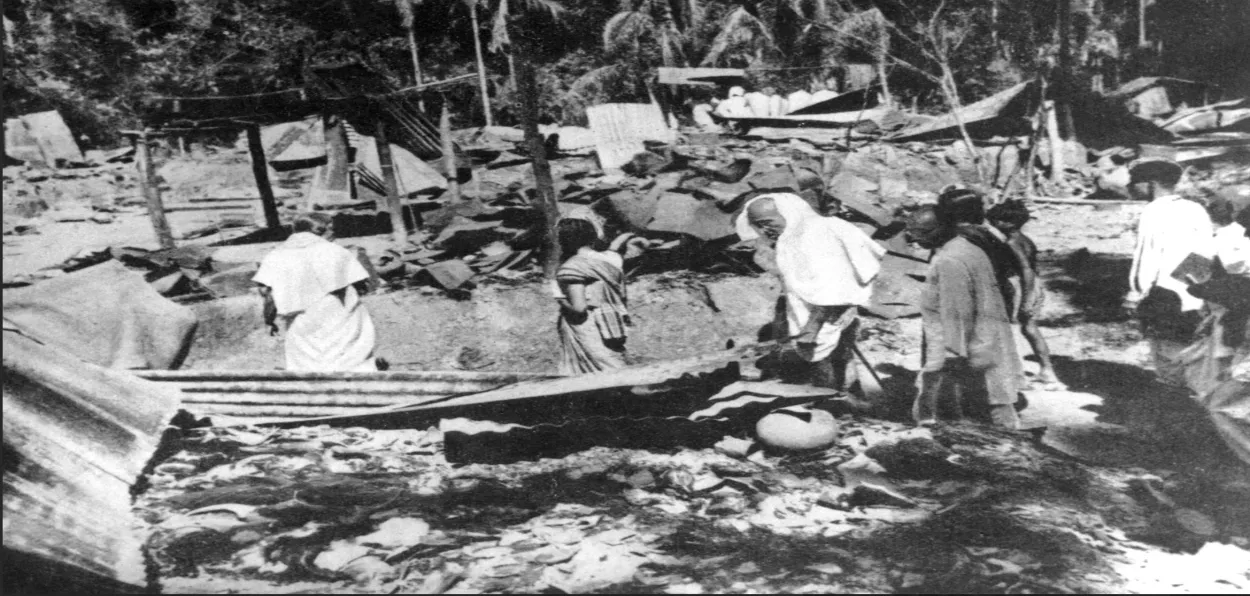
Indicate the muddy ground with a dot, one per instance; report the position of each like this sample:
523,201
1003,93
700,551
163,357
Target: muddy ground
1124,430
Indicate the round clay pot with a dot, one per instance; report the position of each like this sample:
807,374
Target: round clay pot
797,428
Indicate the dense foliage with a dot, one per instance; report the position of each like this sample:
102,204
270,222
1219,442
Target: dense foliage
96,60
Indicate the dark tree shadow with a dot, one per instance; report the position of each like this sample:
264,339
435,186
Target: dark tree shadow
1095,285
1165,425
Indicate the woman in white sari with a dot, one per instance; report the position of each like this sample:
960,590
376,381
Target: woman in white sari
314,286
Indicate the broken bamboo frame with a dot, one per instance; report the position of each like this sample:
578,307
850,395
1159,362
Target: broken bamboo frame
260,169
151,190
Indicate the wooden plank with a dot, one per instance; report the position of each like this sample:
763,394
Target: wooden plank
704,77
76,437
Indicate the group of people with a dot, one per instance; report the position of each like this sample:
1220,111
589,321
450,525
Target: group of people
981,282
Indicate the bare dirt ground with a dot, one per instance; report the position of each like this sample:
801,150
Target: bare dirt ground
1112,415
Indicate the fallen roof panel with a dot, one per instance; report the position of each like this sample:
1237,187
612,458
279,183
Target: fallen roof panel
1008,108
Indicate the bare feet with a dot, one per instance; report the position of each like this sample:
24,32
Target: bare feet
1047,381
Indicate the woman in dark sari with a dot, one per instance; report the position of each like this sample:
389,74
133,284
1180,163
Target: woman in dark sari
591,293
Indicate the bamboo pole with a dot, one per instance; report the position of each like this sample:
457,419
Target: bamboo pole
260,170
399,229
449,154
151,190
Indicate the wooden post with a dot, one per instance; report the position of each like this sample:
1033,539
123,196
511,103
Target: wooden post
545,188
399,229
151,191
260,169
449,155
1056,143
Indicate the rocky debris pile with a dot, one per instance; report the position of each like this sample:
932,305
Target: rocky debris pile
886,508
35,195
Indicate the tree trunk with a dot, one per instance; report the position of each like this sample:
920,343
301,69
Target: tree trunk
512,72
416,63
528,94
416,56
399,229
1063,81
481,64
952,100
1141,24
1056,144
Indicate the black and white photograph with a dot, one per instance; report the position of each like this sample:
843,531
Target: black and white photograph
626,296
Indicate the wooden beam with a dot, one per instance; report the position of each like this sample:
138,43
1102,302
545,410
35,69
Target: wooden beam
399,229
151,191
260,169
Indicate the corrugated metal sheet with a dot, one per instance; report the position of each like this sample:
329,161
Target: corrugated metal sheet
621,128
76,438
255,396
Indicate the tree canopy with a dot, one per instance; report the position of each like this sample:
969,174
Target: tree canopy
96,60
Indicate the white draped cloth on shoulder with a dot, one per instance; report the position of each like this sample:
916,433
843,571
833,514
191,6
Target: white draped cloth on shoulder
822,261
311,280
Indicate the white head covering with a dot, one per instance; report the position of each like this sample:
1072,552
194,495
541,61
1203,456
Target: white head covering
824,261
304,269
737,91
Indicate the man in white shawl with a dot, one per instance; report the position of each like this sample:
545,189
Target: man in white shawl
826,267
313,285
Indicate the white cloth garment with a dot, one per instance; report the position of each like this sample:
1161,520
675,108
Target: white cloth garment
1233,248
759,104
822,261
1169,230
799,100
326,332
734,107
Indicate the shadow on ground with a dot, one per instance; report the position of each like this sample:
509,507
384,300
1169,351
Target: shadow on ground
1094,284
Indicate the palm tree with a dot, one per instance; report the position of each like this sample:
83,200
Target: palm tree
654,19
500,38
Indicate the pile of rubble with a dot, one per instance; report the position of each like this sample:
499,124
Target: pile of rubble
885,508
